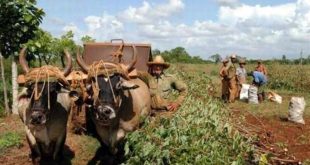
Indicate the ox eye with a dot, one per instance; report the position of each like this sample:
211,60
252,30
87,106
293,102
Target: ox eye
118,86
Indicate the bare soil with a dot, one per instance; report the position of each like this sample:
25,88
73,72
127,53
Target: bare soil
14,155
288,142
75,145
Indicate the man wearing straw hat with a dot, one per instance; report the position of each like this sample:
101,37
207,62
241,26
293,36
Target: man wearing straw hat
241,74
225,81
162,85
231,75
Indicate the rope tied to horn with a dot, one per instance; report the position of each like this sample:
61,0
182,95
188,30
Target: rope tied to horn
44,74
101,68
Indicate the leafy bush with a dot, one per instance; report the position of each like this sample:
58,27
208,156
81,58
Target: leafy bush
10,139
180,55
198,133
289,77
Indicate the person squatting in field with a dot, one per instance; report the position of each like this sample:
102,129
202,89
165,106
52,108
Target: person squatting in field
241,75
161,86
260,81
231,77
225,81
261,67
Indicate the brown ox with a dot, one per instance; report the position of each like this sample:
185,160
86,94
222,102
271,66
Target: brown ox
44,107
117,104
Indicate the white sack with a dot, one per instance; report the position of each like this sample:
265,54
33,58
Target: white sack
244,92
296,110
275,97
253,98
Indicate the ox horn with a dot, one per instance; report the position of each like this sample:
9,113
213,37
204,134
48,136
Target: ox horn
68,67
23,61
134,60
81,62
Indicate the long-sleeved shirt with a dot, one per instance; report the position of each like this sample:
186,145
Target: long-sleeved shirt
161,89
231,70
259,78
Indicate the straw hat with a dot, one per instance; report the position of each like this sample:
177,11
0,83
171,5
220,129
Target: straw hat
242,61
259,61
225,60
158,60
233,55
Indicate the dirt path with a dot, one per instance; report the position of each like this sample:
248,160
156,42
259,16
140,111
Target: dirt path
286,140
79,149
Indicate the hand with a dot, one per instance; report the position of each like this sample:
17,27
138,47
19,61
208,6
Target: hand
173,106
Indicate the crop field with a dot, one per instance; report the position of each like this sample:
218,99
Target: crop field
202,131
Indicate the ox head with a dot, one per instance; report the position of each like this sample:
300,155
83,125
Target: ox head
42,96
107,91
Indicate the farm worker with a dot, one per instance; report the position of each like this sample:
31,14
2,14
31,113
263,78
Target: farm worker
241,75
259,80
225,81
241,72
162,84
231,76
261,68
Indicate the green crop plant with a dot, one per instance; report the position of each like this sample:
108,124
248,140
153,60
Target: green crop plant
198,133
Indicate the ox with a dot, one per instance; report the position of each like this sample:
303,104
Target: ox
45,114
118,104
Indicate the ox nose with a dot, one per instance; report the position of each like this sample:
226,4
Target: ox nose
37,118
107,112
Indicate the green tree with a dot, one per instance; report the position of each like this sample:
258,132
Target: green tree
155,52
179,54
64,42
216,58
19,19
88,39
40,47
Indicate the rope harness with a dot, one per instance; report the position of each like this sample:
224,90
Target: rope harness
106,69
44,74
77,81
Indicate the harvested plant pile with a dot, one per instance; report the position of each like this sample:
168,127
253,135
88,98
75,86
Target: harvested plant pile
198,133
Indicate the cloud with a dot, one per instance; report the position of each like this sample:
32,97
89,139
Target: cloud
249,30
230,3
99,27
71,27
147,13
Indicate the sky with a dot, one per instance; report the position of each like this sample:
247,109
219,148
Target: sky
254,29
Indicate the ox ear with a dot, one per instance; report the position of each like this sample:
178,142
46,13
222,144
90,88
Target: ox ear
74,95
128,85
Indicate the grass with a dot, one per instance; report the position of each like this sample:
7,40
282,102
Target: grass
10,139
271,109
85,147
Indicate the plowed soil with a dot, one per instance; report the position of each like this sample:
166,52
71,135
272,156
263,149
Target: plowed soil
284,139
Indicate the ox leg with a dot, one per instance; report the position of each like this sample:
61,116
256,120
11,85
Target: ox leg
35,153
115,138
58,153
